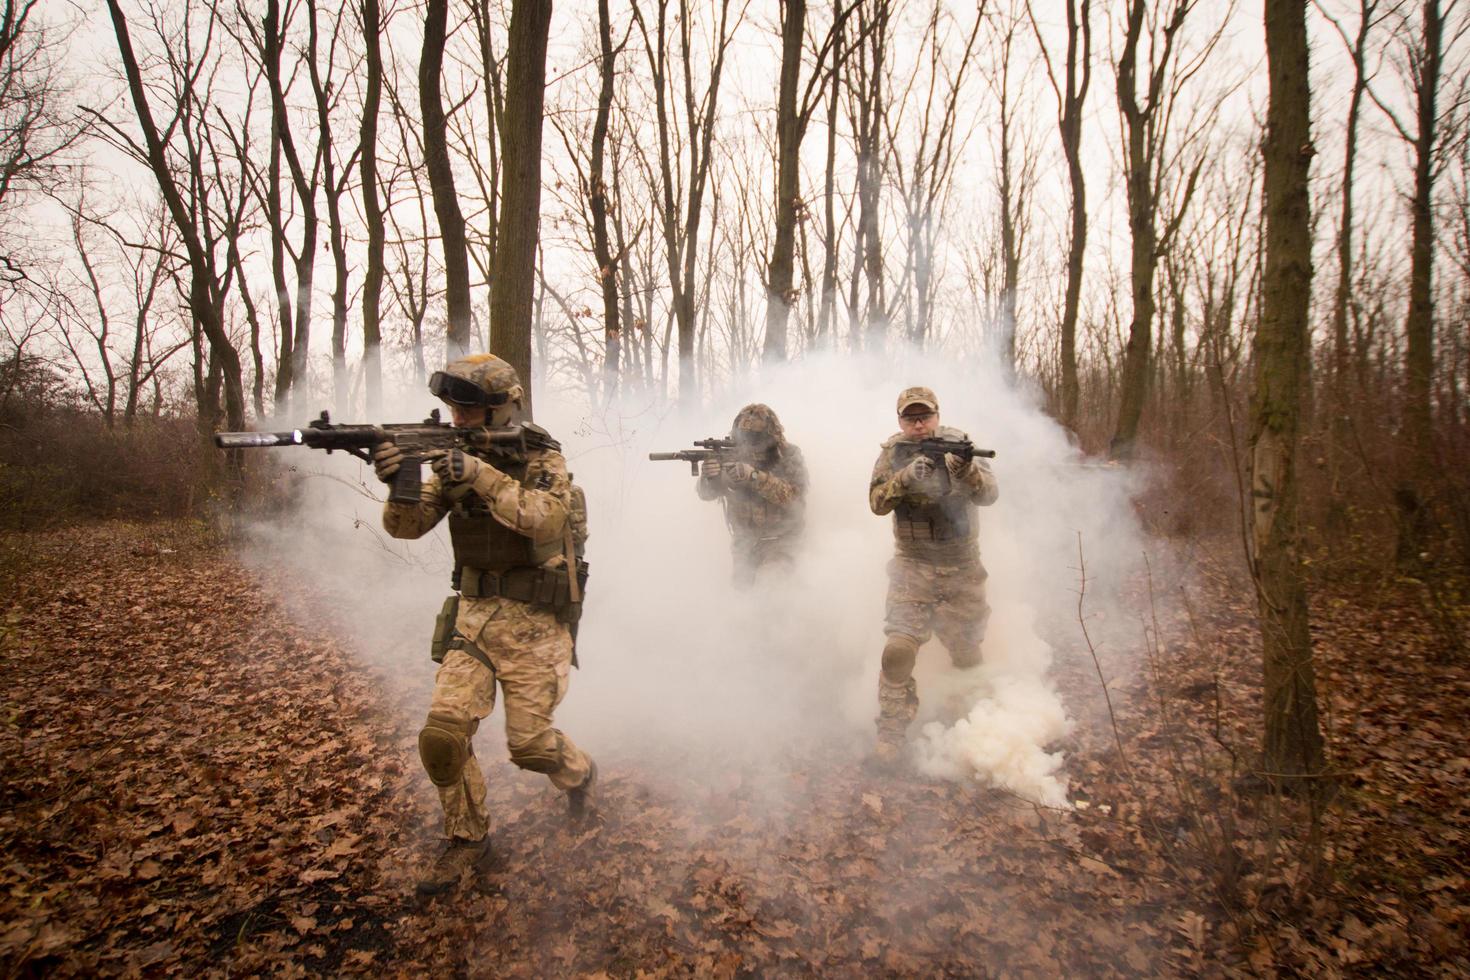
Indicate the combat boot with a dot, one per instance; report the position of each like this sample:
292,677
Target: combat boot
897,706
582,799
457,856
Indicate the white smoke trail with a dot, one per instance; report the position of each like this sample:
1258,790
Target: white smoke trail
680,669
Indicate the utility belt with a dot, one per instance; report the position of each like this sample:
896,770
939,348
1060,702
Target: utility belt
540,586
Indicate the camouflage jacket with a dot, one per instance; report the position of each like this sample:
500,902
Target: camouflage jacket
935,522
772,504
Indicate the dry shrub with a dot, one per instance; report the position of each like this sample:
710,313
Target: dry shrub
64,465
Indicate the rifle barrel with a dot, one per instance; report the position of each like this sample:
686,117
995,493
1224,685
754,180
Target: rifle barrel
256,440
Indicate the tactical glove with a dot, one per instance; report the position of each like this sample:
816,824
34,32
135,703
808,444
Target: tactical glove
456,466
387,458
919,470
710,469
957,467
738,474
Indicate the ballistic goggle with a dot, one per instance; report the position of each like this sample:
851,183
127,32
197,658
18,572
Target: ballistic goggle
458,391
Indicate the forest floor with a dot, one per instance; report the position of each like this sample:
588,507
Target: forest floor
191,782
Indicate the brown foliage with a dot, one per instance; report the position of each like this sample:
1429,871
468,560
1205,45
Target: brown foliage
194,783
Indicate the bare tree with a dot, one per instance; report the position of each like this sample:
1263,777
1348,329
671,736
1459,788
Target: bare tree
36,127
1435,126
325,88
441,182
1148,164
794,108
513,281
926,177
207,287
1293,737
373,24
681,217
1071,95
867,113
1015,184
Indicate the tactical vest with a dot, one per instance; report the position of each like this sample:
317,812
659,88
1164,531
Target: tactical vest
480,541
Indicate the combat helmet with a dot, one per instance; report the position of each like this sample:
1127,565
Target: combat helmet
478,379
757,428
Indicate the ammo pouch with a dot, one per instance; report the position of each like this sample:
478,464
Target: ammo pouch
444,634
944,520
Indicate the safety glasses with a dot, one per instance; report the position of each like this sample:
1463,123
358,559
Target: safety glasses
458,391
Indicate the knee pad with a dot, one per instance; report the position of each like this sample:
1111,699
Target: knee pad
444,747
539,754
899,656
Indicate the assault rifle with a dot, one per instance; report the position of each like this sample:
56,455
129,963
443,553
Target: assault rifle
419,441
719,449
936,449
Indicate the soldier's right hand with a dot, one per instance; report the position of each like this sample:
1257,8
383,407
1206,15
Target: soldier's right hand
387,458
918,470
710,469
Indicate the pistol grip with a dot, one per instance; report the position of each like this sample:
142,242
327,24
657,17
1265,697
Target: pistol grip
406,486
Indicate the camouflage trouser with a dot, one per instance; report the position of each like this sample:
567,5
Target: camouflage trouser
925,599
532,656
753,556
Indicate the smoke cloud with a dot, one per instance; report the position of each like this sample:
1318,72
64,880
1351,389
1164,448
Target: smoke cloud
680,672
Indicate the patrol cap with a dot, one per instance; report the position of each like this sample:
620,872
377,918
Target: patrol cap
918,396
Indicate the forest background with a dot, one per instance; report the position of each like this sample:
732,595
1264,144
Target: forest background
643,206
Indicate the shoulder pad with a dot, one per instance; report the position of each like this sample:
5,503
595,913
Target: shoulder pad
950,434
894,439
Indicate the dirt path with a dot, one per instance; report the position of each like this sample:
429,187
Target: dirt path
192,783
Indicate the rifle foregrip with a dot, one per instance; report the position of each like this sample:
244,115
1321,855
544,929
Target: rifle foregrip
406,487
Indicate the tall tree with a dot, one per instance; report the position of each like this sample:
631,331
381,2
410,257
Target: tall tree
1146,124
513,281
1071,94
1425,63
441,182
680,216
372,209
204,289
1293,737
1337,431
602,253
794,108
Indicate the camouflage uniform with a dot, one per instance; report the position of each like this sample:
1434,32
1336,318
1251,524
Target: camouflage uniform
524,646
767,513
936,582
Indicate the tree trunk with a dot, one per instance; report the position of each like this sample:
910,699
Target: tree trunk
513,285
1071,132
607,271
372,281
1144,251
202,279
1419,324
1293,739
789,131
441,183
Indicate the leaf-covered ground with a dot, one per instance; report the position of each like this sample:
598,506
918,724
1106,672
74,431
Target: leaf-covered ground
192,782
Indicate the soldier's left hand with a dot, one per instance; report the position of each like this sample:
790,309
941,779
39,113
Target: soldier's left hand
738,473
957,467
456,466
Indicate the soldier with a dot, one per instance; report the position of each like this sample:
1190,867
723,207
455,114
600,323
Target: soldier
763,491
936,583
509,525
